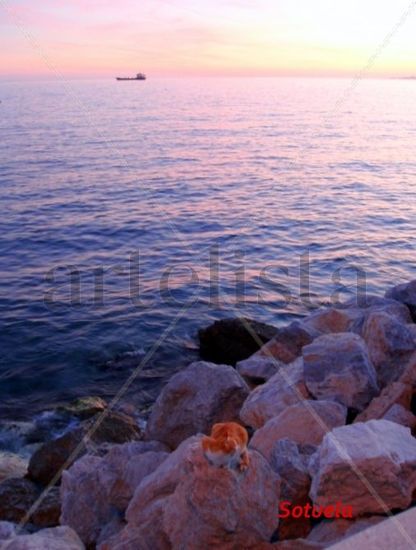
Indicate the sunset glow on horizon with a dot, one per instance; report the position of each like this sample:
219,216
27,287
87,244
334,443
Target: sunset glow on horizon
183,37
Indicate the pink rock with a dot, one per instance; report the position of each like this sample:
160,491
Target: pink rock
95,490
258,369
400,415
188,503
305,423
332,320
384,454
331,531
337,366
395,393
390,345
287,344
285,388
193,400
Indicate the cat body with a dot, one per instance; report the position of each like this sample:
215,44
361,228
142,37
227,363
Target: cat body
227,446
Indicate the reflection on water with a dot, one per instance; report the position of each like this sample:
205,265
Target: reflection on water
122,203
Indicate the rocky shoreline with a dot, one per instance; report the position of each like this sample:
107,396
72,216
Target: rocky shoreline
329,403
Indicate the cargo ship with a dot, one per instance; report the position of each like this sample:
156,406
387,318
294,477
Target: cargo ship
139,76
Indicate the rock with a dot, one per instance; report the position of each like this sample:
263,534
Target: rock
287,344
402,416
405,294
390,345
296,544
370,304
332,320
95,491
287,461
7,530
229,340
337,366
12,465
382,451
330,531
304,423
408,376
53,456
193,400
84,407
395,393
18,495
188,503
397,532
58,538
257,370
285,388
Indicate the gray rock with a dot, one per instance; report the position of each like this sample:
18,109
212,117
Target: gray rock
193,400
257,369
406,294
12,465
95,491
286,346
337,366
305,423
398,532
331,531
58,538
397,413
357,462
285,388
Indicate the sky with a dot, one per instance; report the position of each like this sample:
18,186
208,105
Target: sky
206,37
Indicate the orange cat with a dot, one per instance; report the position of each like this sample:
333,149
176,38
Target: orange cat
227,446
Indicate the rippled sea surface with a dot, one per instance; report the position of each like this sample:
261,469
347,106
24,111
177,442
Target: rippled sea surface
134,213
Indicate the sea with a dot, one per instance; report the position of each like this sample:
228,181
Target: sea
133,214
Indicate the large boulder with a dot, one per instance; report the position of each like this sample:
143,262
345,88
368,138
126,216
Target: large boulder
390,345
305,423
188,503
285,388
231,340
371,466
256,370
291,465
58,538
332,320
337,366
53,456
193,400
96,490
287,344
397,532
369,304
331,531
396,393
406,294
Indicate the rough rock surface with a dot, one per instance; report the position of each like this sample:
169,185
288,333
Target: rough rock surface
228,341
54,455
95,491
285,388
332,320
331,531
395,393
287,344
188,503
17,495
257,370
304,423
398,532
406,294
291,465
402,416
370,304
84,407
384,452
193,400
390,345
58,538
12,465
337,366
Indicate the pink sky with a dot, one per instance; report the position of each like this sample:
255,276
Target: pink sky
184,37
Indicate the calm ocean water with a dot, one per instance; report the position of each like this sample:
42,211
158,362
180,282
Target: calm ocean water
119,200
